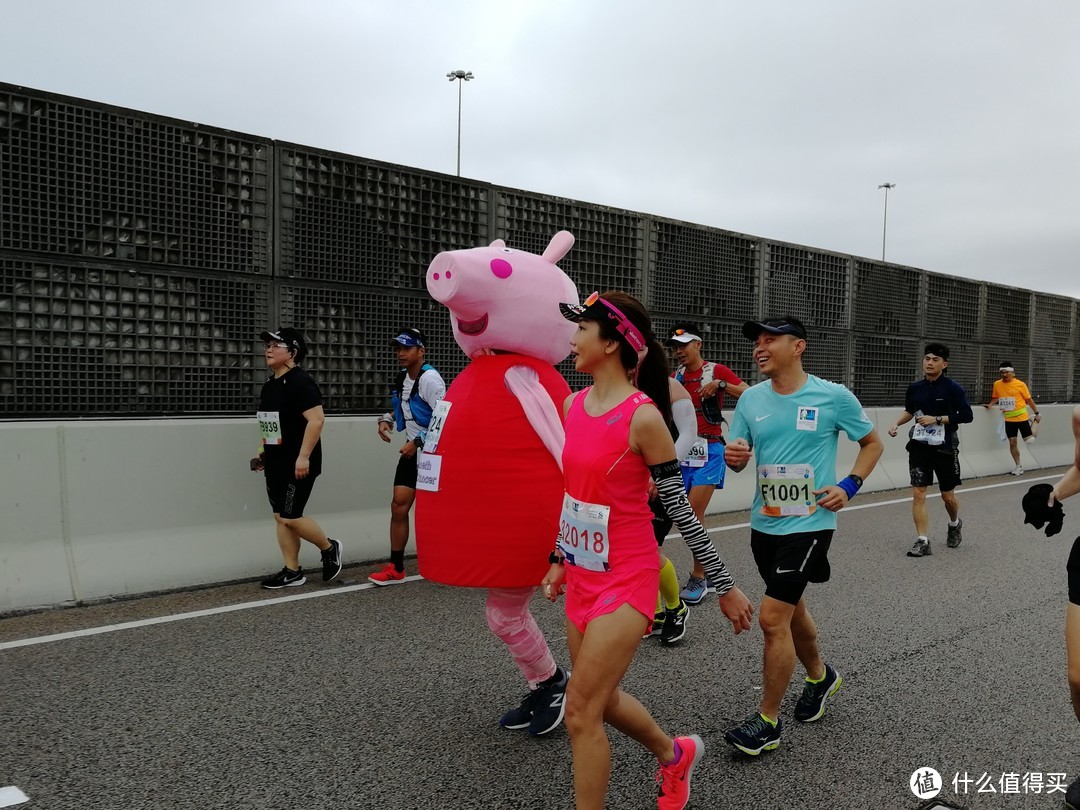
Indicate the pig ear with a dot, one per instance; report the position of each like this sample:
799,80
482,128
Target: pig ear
559,246
498,243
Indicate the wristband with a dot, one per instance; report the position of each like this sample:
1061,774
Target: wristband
849,486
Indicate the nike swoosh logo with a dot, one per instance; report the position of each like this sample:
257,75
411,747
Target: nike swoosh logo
766,416
786,570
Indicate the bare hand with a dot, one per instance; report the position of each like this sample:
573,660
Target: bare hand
926,421
738,609
834,498
408,450
893,429
554,582
653,492
257,464
737,454
709,390
384,431
303,467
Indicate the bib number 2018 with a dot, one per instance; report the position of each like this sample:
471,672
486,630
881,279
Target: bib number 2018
583,534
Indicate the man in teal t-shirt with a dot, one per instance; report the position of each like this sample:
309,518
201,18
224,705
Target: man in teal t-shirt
790,424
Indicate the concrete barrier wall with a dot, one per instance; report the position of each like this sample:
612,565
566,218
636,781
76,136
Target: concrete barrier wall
92,509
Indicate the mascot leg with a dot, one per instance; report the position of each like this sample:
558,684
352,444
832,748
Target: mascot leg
510,619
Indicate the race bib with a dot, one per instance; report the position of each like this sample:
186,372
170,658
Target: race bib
787,490
699,454
933,435
269,427
583,534
428,470
438,420
1007,403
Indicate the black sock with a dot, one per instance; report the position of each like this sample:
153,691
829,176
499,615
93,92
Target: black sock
554,679
398,559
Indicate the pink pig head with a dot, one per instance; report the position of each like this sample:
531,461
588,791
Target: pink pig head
506,300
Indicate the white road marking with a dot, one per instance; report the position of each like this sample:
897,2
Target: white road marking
11,795
195,614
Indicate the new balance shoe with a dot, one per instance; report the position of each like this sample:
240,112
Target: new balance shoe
755,735
550,705
811,703
285,578
1018,470
674,778
542,709
674,627
693,592
953,538
657,625
387,575
920,549
331,560
1072,795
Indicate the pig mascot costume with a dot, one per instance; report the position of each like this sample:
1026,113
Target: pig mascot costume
490,482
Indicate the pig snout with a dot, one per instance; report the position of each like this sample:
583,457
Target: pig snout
447,278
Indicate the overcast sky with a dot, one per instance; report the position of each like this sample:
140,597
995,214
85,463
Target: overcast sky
777,119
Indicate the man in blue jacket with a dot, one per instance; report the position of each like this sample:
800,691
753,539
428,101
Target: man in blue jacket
939,405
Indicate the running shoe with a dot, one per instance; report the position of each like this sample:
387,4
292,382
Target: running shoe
1072,795
674,778
387,575
755,735
920,549
285,578
953,538
520,716
657,625
1018,470
693,592
811,703
674,627
549,705
331,560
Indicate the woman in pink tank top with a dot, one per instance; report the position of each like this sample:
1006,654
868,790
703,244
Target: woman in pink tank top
606,558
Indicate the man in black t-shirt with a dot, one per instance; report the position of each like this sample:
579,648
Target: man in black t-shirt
291,420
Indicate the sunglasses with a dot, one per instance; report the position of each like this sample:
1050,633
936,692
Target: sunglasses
622,324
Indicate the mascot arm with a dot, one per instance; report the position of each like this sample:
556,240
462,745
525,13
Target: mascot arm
682,411
524,383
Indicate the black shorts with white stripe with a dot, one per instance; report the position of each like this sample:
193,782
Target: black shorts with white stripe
788,562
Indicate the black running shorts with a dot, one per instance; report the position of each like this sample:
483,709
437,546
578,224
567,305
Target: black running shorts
288,494
405,474
924,462
1074,573
788,562
1023,428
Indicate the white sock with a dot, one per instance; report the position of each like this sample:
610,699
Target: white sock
924,538
954,522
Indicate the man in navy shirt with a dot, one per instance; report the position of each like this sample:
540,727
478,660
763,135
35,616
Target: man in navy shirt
939,406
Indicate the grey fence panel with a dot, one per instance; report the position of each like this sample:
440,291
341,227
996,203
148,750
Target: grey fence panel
810,284
608,250
884,366
86,180
349,220
952,309
702,272
887,300
82,340
1008,316
1052,375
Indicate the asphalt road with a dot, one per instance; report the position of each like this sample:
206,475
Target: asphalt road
389,698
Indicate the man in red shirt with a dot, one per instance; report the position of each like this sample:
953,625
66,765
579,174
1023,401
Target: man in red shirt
703,470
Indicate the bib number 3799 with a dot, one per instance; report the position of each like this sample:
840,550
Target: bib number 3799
583,534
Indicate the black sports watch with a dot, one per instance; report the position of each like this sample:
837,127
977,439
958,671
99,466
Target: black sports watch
938,419
856,479
554,558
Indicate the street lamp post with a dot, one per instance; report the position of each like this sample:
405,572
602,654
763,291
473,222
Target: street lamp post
885,221
460,76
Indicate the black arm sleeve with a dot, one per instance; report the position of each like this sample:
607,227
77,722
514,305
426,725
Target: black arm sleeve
669,484
961,408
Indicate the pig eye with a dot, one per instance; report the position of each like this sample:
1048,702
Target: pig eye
501,268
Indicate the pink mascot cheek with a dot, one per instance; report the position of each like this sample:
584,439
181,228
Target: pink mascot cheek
501,268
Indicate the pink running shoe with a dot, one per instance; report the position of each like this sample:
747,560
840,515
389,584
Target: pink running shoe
675,779
387,575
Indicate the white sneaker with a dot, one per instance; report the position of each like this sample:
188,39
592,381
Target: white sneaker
1018,471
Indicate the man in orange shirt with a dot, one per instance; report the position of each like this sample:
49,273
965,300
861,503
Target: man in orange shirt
1013,397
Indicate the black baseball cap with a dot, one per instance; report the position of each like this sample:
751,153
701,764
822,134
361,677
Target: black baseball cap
291,338
774,326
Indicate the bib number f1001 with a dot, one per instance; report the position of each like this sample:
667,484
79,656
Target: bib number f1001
787,490
583,534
